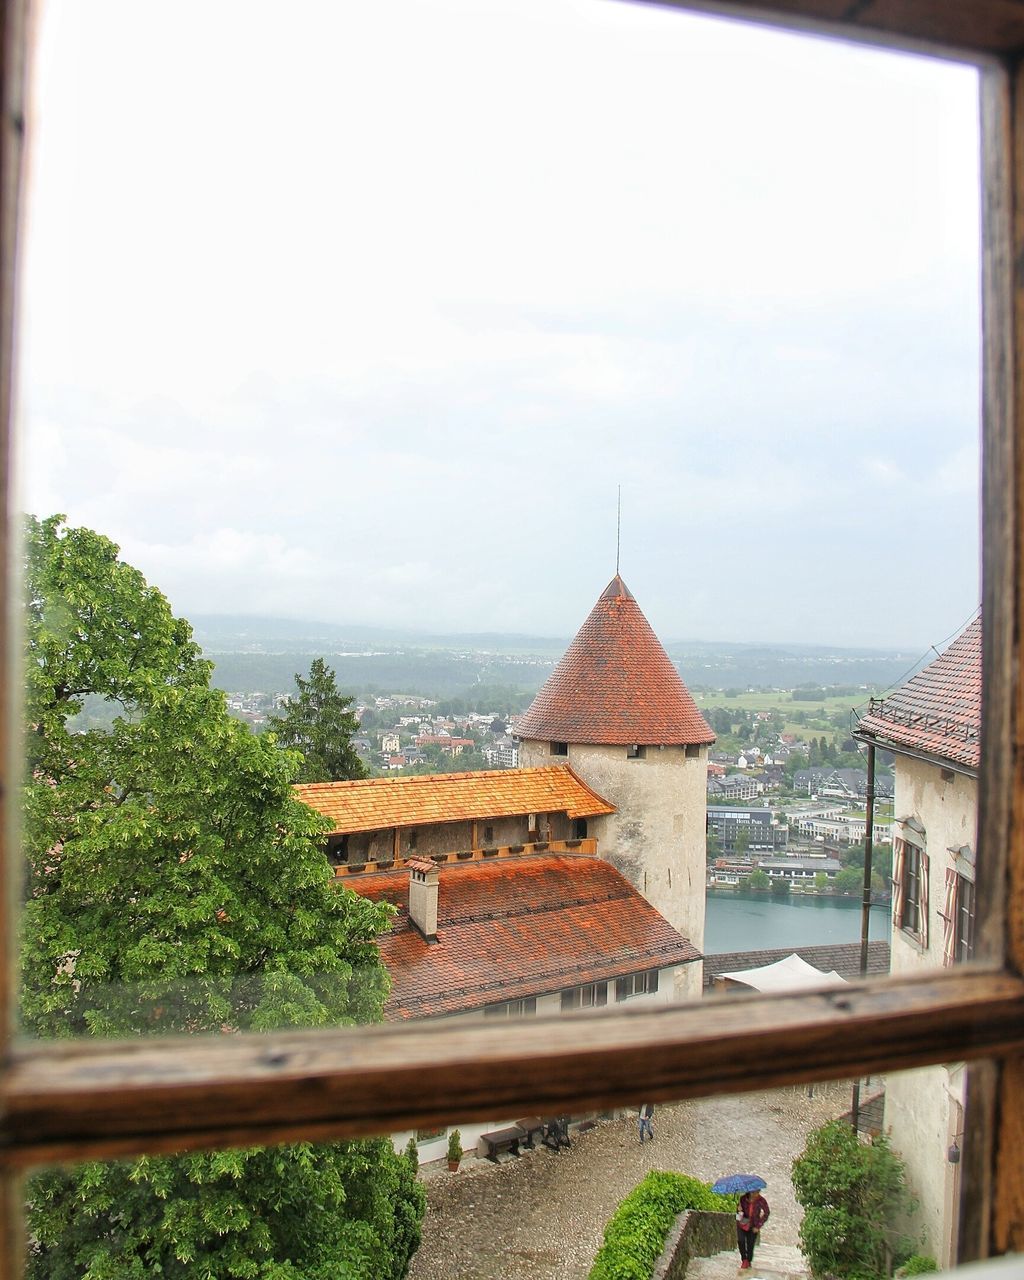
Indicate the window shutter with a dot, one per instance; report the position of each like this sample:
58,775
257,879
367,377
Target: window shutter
923,925
898,863
948,913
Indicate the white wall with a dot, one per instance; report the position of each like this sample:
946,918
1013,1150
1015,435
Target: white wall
923,1107
548,1005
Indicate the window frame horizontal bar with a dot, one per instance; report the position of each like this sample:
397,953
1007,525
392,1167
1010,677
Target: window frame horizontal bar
980,32
73,1100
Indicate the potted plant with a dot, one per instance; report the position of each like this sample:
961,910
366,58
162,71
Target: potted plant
454,1150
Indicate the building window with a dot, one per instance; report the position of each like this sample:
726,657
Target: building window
559,748
637,984
430,1135
635,752
412,839
592,996
910,890
692,751
579,828
488,835
957,919
512,1009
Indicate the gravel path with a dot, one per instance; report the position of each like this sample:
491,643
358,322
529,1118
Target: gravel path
542,1217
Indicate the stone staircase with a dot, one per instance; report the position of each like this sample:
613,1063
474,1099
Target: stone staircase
771,1262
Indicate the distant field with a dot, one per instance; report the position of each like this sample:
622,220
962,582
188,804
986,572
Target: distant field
783,702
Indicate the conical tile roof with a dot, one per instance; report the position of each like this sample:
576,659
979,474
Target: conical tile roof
615,685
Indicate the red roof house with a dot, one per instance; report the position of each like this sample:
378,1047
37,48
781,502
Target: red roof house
937,713
518,928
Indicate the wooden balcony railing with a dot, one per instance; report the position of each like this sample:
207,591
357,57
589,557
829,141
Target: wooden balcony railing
586,846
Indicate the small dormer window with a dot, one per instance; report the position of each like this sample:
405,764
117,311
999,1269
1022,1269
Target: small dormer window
692,751
559,748
635,752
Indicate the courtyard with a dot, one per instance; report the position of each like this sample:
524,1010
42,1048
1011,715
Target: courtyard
542,1216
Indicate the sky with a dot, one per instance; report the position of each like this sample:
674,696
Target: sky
362,313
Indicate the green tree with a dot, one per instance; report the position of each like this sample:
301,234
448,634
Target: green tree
820,881
174,884
849,880
781,886
854,1195
758,879
320,724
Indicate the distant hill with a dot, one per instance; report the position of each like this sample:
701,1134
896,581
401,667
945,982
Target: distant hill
265,653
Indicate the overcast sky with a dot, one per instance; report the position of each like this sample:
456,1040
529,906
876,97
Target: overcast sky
361,312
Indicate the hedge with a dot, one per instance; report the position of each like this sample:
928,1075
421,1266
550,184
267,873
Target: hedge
637,1230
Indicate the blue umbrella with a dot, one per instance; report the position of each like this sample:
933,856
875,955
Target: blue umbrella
736,1183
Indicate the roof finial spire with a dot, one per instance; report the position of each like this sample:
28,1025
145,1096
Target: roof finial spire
618,530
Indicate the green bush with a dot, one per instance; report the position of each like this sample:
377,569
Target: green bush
636,1232
918,1264
854,1196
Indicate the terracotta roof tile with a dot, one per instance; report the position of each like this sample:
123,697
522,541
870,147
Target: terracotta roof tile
371,804
509,930
938,711
615,685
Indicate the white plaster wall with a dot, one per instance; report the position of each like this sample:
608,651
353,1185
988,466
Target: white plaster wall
922,1108
657,836
548,1005
948,811
922,1115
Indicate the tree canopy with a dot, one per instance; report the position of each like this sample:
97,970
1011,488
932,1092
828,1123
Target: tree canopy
320,724
174,884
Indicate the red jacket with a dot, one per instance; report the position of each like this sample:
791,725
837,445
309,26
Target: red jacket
754,1207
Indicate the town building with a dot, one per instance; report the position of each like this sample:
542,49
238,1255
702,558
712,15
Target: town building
736,786
616,709
751,829
933,725
504,905
502,754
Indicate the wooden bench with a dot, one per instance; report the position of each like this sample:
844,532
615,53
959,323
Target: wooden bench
499,1140
531,1126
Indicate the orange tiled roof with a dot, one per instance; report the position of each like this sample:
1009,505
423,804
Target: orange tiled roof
615,685
938,711
371,804
513,929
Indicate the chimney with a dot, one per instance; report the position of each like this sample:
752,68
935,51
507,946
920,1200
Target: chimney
423,882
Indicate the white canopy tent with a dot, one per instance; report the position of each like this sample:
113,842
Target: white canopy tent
790,974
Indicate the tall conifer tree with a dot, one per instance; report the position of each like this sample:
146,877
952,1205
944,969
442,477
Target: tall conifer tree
320,724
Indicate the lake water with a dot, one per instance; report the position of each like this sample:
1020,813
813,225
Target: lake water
738,921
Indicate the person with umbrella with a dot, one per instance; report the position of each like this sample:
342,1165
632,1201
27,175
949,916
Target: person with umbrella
752,1212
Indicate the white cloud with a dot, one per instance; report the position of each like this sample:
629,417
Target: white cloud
380,335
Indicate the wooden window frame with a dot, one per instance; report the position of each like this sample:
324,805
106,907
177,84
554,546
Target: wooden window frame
74,1100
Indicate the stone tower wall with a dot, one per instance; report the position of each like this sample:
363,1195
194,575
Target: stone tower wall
657,839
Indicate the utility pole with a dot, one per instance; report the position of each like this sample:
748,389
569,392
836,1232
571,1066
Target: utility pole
865,903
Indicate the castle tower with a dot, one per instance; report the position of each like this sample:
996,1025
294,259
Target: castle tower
616,709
